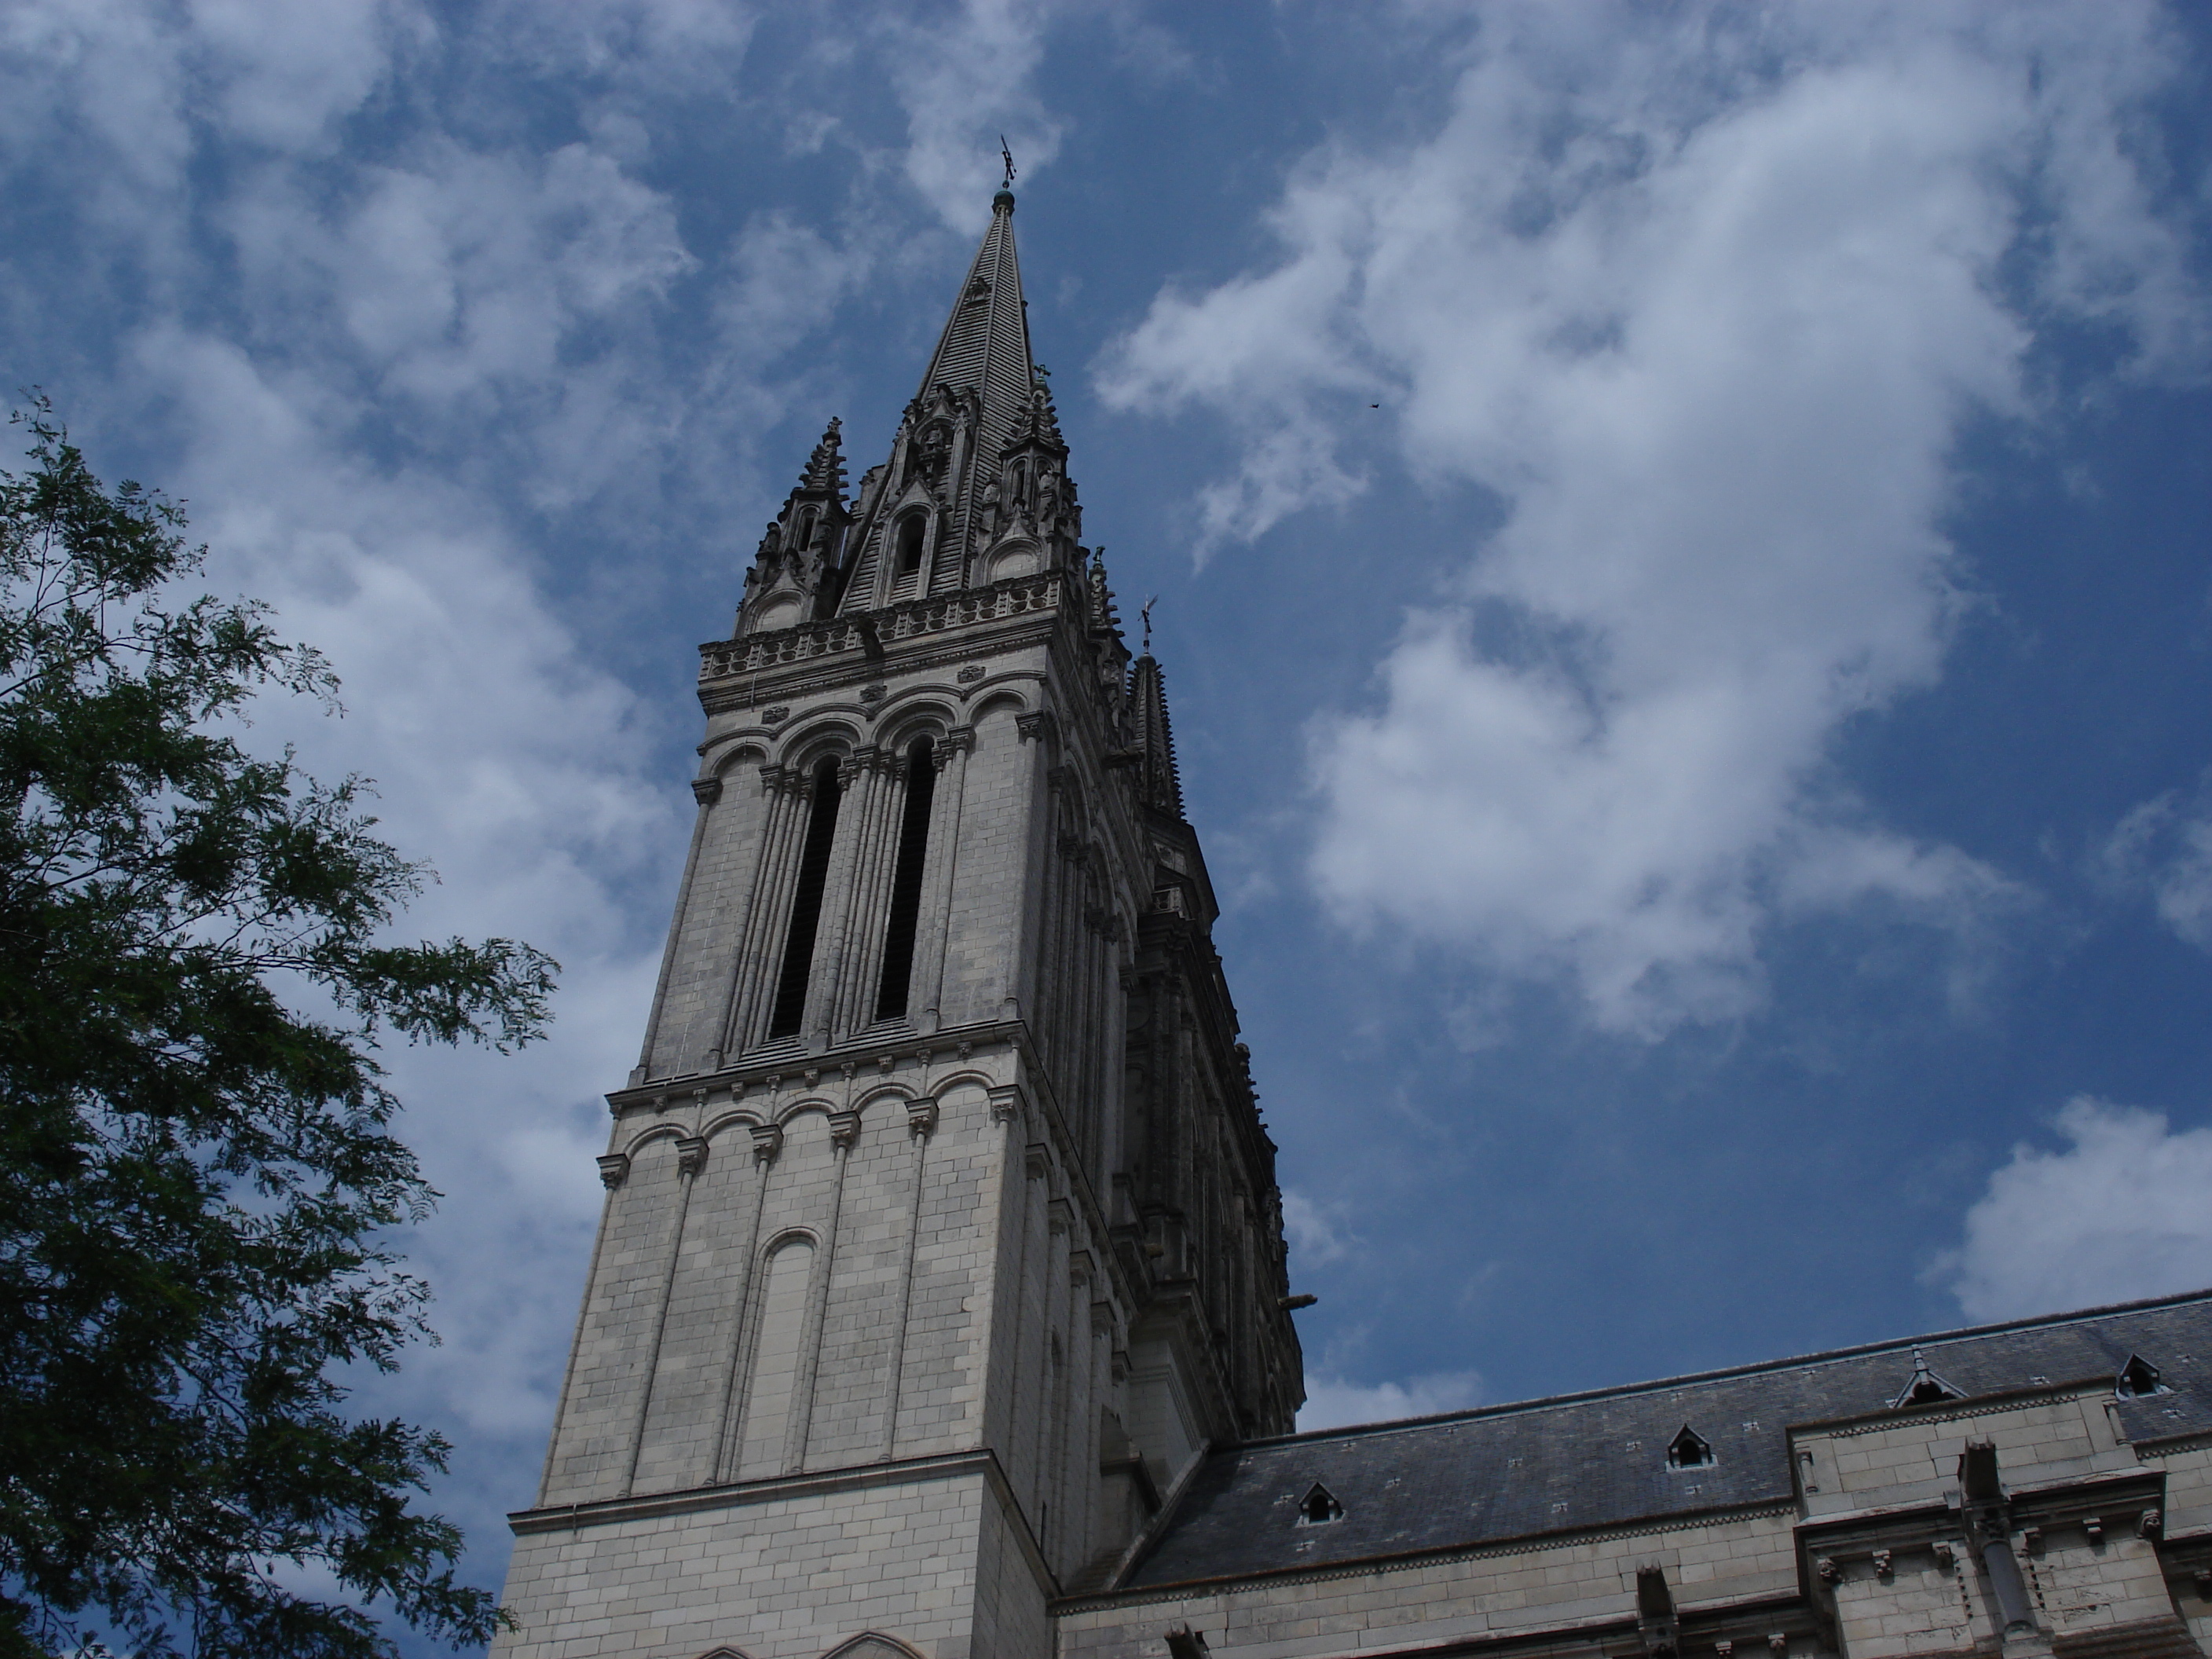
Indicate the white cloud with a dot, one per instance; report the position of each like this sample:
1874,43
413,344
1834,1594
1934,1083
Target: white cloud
1317,1232
506,758
964,77
2120,1215
1705,297
2163,849
1332,1403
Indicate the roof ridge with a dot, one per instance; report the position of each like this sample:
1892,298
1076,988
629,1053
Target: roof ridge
1795,1362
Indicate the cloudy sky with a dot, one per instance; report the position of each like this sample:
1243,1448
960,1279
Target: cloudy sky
1681,536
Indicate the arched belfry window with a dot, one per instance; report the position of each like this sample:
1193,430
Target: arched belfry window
909,551
906,880
806,904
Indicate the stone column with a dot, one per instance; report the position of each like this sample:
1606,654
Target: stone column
691,1158
934,931
863,784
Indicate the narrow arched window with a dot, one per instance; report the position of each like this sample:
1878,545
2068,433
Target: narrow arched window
906,880
804,537
806,904
910,545
773,1386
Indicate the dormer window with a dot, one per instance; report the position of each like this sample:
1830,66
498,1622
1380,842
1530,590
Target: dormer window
1689,1450
1318,1508
1923,1388
2138,1377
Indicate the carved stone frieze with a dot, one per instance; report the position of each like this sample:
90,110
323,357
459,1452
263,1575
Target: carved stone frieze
1015,597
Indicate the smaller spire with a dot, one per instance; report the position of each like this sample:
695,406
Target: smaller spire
825,468
1160,784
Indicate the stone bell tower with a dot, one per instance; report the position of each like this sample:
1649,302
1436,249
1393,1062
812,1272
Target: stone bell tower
941,1232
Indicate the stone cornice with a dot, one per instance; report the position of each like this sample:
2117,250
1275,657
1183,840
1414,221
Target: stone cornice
940,1045
791,660
1947,1410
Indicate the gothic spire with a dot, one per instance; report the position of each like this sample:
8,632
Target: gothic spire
976,488
1158,784
986,342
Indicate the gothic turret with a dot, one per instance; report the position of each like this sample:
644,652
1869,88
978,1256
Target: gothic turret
795,575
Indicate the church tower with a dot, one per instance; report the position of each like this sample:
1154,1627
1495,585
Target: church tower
941,1233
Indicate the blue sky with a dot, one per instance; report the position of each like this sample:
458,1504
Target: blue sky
1680,534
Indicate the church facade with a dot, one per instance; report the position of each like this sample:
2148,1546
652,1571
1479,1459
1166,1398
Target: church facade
940,1306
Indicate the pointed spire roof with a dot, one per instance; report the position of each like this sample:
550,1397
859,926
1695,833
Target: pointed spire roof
1159,783
825,468
986,343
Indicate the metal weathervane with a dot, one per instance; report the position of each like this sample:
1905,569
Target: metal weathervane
1007,156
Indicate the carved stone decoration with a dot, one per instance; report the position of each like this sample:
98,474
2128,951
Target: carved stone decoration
1778,1644
872,695
1829,1571
690,1155
707,791
2151,1526
922,1117
1945,1557
1881,1564
775,716
767,1141
844,1129
971,673
1037,724
1037,1163
614,1169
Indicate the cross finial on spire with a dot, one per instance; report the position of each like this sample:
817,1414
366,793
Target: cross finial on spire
1146,613
1007,156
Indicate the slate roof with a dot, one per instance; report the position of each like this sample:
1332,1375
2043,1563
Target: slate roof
1600,1459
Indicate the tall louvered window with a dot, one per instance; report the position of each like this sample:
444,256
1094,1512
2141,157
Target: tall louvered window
910,545
906,880
806,904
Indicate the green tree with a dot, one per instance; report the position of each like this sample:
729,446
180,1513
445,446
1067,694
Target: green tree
198,1185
